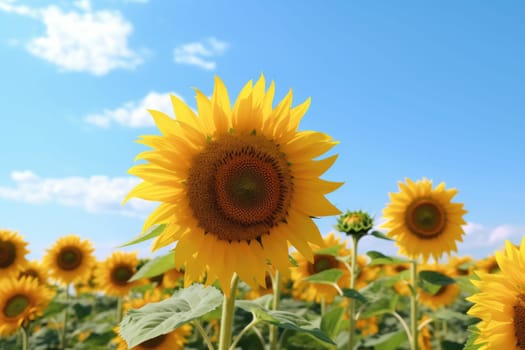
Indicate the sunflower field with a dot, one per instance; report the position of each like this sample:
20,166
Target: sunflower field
239,187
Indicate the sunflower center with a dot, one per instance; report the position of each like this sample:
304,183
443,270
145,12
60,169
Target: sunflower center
321,263
69,258
121,274
16,305
7,253
426,218
239,187
153,342
519,321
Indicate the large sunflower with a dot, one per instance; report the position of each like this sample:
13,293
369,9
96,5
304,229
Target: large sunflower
235,183
12,253
113,274
424,221
21,300
70,259
500,302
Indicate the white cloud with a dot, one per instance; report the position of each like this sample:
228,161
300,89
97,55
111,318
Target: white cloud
472,227
133,114
502,233
95,194
200,54
80,40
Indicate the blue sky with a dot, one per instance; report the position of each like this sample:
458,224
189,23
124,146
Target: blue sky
409,88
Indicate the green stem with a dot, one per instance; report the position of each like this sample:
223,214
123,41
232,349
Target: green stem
203,334
63,340
323,306
413,305
351,306
25,338
245,329
119,309
228,310
276,285
403,324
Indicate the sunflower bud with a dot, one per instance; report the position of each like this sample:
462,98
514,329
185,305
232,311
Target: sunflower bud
357,223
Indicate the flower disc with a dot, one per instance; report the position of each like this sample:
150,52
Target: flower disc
12,253
236,184
423,221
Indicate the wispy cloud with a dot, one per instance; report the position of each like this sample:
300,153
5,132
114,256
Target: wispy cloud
133,114
95,194
80,39
200,54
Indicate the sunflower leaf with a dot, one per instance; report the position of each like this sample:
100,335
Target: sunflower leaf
331,321
293,261
155,267
354,294
329,276
380,235
378,258
155,231
155,319
473,336
434,277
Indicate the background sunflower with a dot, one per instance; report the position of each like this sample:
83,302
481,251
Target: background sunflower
12,253
113,274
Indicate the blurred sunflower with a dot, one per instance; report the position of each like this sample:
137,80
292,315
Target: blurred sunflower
12,253
172,278
35,270
21,300
319,291
367,326
460,266
446,295
400,286
69,259
424,337
423,221
174,340
500,302
87,285
488,265
113,274
235,183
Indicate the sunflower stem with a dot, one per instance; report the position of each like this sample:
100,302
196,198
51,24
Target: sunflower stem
276,285
245,329
119,309
351,305
413,305
63,340
203,334
25,338
228,310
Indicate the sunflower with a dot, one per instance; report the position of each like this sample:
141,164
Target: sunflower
113,274
424,337
460,266
34,270
172,278
400,286
367,326
423,220
175,340
235,183
69,259
21,300
488,265
500,302
12,253
319,291
446,295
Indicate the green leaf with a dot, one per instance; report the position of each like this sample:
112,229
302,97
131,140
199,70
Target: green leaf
473,336
354,294
435,277
333,251
330,322
54,308
282,319
293,261
450,345
155,319
155,267
329,276
380,235
152,233
378,258
387,341
381,306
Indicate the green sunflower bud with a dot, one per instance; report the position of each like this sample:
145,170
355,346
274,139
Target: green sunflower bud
357,223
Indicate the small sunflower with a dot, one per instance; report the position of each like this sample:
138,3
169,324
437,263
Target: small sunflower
236,184
12,253
172,278
401,286
69,259
21,300
500,302
487,265
113,274
34,270
87,285
446,295
424,337
318,291
175,340
423,221
460,266
367,326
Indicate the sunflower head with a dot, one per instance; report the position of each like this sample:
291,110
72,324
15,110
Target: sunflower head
444,296
21,300
34,269
355,223
112,276
423,220
12,253
70,259
235,183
